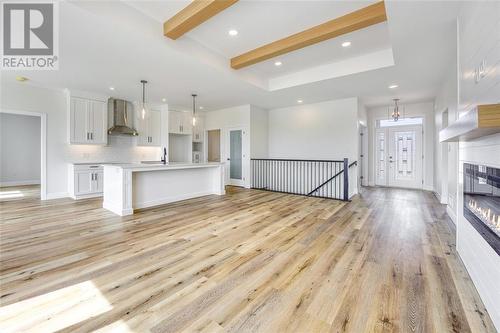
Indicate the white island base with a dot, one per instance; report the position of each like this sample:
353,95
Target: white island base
133,186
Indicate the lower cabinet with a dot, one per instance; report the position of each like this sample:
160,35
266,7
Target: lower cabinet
85,181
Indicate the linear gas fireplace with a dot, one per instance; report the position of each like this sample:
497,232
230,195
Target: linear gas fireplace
482,201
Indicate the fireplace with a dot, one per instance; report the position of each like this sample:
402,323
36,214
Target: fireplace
482,201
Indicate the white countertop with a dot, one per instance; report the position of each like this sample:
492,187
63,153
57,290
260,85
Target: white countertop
158,167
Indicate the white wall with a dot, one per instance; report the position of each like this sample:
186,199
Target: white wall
25,97
225,119
479,24
327,130
425,110
259,132
446,154
19,149
315,131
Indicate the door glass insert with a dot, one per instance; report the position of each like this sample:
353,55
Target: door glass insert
235,166
381,156
405,155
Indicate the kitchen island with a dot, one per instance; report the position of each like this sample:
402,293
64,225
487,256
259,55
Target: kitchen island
134,186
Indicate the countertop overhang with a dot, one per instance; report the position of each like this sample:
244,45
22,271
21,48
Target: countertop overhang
161,167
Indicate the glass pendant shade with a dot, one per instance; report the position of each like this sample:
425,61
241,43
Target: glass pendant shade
143,105
194,109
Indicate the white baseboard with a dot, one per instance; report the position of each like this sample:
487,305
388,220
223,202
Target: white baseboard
87,196
117,210
451,214
20,183
169,199
428,188
57,195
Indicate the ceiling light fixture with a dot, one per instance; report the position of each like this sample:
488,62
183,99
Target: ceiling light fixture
346,44
144,105
163,100
201,107
278,63
233,32
111,88
393,86
194,109
396,113
300,101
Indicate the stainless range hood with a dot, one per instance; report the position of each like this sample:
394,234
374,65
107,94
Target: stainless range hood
122,120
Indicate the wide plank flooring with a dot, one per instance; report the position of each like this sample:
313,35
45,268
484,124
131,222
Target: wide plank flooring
249,261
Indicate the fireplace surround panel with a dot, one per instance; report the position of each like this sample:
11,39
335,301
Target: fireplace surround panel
482,202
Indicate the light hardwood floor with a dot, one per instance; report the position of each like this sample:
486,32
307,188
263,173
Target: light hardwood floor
247,261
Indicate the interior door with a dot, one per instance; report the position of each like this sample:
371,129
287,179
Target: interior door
404,156
235,159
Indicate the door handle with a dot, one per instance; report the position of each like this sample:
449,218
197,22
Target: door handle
229,159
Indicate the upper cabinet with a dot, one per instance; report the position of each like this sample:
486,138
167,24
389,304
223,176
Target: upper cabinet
179,122
149,129
88,119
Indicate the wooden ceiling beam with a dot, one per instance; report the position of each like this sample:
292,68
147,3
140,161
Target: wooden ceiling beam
193,15
353,21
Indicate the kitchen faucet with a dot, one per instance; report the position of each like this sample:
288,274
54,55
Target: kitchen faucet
164,158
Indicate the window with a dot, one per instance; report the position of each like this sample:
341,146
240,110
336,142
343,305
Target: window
400,122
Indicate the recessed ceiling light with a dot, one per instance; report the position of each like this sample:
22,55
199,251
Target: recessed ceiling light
111,88
163,99
346,44
21,78
201,107
233,32
300,101
393,86
278,63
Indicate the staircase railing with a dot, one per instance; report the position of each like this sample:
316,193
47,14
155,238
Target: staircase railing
315,178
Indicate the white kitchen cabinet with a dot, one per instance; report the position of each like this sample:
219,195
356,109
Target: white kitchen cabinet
149,129
88,121
179,122
85,180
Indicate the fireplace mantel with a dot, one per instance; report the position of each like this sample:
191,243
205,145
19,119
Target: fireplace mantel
481,121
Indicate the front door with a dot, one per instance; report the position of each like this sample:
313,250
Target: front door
399,156
235,159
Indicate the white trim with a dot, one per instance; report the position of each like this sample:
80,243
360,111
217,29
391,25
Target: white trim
57,195
169,199
451,214
20,183
86,196
43,146
117,209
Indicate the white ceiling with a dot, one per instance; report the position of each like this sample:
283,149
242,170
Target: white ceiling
110,43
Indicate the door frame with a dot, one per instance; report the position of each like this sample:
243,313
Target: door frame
374,145
43,145
236,182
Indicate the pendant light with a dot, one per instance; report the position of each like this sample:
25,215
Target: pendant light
395,112
194,109
143,105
